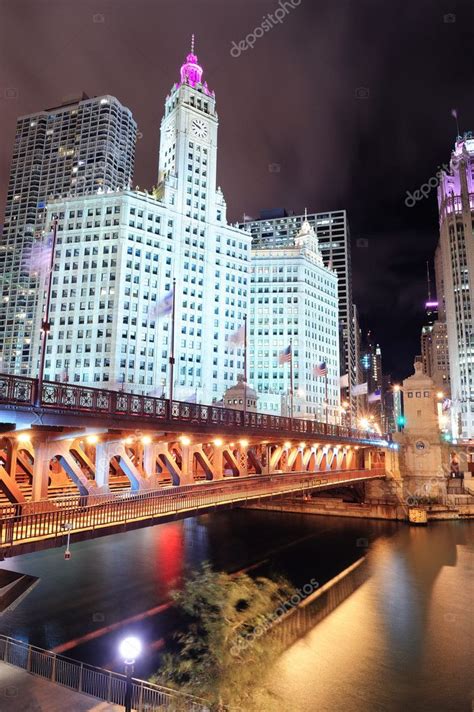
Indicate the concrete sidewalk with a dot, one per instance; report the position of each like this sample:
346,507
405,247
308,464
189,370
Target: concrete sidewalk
22,692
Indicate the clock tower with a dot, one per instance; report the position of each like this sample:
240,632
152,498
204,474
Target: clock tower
188,146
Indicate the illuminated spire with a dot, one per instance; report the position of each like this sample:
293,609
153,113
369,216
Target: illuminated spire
191,71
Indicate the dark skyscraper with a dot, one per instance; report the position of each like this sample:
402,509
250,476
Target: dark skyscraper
83,146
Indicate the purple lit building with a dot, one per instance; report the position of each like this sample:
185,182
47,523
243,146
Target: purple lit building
456,259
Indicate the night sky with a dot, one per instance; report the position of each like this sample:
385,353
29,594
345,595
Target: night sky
345,104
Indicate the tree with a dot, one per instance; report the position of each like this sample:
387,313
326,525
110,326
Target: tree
224,653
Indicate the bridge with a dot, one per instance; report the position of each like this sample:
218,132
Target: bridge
84,518
71,447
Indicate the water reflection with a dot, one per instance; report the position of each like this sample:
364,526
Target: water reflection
403,641
121,584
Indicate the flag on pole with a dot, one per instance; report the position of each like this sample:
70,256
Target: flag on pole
37,258
285,356
321,369
157,392
359,390
237,337
344,381
375,396
446,405
162,308
454,114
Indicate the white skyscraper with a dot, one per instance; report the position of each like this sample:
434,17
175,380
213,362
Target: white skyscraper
118,252
278,229
456,246
72,149
294,300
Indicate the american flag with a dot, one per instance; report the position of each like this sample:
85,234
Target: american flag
285,355
375,396
162,308
37,258
237,338
321,369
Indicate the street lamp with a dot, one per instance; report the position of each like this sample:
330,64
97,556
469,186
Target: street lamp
364,423
129,649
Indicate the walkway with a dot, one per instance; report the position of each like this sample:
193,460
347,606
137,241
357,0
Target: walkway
22,692
16,533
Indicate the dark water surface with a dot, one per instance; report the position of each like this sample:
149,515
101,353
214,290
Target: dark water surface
403,641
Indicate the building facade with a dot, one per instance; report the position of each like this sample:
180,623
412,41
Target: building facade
333,237
372,404
294,303
119,252
72,149
435,354
456,248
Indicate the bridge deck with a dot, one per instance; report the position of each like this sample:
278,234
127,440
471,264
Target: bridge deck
20,533
74,406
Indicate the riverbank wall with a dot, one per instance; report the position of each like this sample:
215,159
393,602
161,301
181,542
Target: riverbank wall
330,507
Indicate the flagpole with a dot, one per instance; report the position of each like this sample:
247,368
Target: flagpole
171,359
245,365
454,113
45,324
326,396
291,378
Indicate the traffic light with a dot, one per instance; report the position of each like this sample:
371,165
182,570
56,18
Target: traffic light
401,422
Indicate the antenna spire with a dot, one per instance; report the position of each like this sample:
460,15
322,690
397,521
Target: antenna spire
192,44
428,280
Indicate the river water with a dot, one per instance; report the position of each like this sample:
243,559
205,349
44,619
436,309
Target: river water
403,641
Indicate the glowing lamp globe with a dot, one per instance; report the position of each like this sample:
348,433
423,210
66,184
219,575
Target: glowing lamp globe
130,648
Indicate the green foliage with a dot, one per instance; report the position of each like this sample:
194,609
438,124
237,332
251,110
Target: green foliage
224,653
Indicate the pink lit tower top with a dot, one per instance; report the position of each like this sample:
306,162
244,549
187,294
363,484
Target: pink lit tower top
191,71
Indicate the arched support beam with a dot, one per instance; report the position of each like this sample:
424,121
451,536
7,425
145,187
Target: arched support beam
10,488
232,461
256,461
201,458
73,471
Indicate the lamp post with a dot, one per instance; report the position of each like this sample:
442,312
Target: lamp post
130,648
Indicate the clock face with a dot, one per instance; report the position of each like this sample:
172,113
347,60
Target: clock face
420,446
199,128
170,132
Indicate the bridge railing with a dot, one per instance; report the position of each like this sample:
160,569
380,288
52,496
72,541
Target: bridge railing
19,390
151,505
89,680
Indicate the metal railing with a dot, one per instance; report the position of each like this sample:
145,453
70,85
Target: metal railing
73,500
301,618
19,390
157,503
89,680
